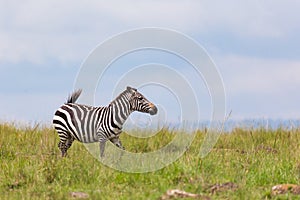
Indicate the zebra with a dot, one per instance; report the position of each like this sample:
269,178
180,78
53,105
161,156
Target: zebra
88,124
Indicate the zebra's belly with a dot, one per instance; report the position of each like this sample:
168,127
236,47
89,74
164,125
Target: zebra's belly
86,137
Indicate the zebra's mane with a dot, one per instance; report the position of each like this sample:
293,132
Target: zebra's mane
126,93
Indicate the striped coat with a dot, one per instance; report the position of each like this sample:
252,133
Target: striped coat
89,124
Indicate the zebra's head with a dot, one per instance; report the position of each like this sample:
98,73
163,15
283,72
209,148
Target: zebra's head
139,103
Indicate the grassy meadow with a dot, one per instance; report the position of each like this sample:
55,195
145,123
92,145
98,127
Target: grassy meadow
244,164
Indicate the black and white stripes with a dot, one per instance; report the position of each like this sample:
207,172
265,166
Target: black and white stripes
97,124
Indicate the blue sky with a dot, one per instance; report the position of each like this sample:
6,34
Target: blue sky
255,45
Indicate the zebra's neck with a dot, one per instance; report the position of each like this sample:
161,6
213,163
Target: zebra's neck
120,109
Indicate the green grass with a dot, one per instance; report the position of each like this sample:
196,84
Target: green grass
254,160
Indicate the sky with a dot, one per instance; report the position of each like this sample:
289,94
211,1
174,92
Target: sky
253,43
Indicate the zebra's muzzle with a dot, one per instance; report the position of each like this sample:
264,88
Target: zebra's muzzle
153,110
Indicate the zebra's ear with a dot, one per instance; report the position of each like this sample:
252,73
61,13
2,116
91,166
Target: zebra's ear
131,89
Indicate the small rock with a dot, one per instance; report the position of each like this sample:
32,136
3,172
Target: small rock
175,193
14,185
223,187
284,188
80,195
267,149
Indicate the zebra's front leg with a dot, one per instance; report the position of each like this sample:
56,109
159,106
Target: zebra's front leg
117,155
102,147
102,140
116,141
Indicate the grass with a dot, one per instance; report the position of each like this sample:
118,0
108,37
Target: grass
252,160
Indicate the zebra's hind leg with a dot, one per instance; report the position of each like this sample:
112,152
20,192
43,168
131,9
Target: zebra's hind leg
65,143
62,147
69,142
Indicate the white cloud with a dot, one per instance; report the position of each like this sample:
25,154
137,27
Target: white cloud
261,87
67,30
258,75
251,18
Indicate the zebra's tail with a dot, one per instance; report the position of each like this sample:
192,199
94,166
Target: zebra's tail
74,96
